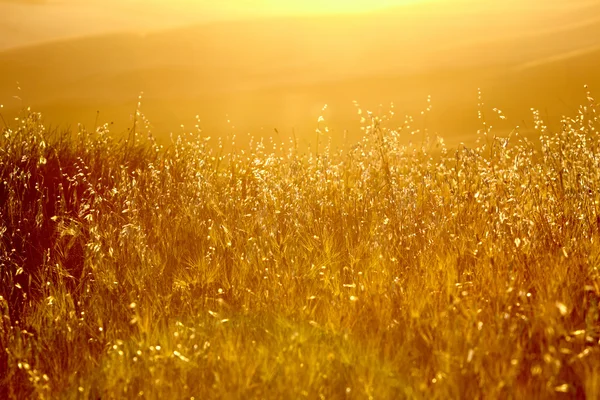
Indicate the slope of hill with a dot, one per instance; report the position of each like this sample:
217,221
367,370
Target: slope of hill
280,72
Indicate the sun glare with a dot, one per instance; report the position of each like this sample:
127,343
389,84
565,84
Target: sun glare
270,7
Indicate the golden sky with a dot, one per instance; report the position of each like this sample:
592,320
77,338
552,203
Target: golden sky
287,7
26,22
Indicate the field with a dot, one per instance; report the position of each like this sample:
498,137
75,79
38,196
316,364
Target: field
253,232
133,269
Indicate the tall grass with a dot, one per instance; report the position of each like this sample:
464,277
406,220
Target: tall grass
133,270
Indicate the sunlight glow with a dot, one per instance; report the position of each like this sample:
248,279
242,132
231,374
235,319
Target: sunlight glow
271,7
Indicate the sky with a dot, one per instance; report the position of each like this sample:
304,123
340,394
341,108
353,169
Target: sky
282,7
29,22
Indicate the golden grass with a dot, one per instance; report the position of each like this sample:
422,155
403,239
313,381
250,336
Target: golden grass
129,270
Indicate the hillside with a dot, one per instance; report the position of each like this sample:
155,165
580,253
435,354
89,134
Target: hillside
279,72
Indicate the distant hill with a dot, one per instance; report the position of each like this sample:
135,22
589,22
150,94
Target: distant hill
278,73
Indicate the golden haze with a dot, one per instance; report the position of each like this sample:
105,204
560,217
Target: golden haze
177,268
278,72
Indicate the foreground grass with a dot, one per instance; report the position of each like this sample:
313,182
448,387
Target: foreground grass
381,271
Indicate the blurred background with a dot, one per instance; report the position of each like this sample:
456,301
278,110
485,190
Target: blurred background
249,67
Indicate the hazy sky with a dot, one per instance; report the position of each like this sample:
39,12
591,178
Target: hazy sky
24,22
277,6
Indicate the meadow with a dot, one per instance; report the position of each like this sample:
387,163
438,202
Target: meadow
135,269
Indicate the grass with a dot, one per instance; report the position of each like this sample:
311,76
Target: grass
133,270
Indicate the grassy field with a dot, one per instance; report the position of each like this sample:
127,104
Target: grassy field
374,271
